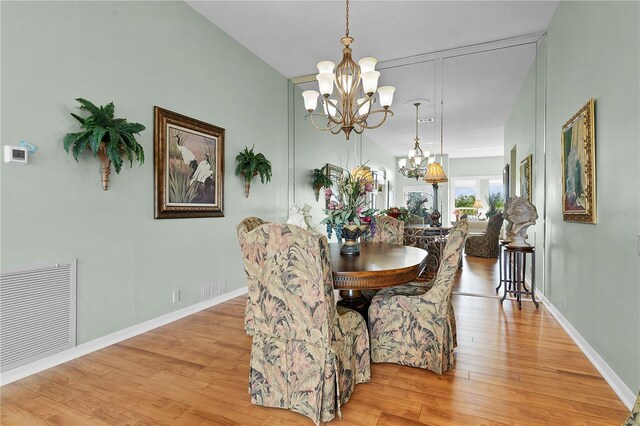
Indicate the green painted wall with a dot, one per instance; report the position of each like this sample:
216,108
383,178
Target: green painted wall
476,166
593,50
137,54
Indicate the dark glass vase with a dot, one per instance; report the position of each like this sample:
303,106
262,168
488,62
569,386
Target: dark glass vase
351,233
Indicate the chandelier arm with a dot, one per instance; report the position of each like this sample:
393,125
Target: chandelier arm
313,123
335,121
387,112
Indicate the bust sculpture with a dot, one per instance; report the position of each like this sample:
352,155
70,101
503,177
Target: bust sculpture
296,217
520,215
308,219
301,217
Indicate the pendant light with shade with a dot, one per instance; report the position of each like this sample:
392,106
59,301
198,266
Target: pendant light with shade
435,173
417,158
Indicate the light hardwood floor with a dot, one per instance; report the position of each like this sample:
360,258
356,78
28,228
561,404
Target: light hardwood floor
512,367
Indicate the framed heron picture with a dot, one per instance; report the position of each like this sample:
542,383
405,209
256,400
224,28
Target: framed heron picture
525,177
579,166
188,166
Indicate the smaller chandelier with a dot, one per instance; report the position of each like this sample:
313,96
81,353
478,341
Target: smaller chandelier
418,159
356,85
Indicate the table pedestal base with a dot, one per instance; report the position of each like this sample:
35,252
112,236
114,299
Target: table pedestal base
353,299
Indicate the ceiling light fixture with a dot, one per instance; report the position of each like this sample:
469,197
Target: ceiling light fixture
356,85
418,159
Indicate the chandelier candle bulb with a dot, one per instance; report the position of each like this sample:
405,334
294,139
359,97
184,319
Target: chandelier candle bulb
310,99
364,105
331,108
346,81
386,95
325,83
402,163
367,64
326,67
370,82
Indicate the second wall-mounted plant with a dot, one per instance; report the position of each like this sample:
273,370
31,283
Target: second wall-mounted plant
249,165
109,138
320,180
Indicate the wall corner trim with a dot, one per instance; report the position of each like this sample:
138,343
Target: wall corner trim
113,338
625,394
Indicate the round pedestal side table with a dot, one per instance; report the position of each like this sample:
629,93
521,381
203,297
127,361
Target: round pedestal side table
515,263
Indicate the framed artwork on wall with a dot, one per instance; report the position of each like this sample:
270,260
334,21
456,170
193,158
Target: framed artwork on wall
188,166
505,182
579,166
525,178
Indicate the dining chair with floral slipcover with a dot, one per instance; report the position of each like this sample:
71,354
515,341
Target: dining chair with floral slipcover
387,230
486,245
634,417
247,225
409,325
307,355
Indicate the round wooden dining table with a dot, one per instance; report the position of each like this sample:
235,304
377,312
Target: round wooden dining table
378,265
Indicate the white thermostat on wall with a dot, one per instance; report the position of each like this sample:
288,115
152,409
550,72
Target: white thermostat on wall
16,154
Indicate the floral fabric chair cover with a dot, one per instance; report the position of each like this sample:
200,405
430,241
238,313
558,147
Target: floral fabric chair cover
486,245
388,230
411,326
634,417
306,355
247,225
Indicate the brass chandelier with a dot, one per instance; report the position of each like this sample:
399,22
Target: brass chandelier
418,159
356,85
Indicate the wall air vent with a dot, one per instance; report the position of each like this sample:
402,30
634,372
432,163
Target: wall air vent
37,312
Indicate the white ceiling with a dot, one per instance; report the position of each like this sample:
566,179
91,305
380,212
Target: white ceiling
479,89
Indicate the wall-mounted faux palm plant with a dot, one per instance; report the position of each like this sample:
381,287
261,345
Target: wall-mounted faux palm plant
109,138
320,180
249,165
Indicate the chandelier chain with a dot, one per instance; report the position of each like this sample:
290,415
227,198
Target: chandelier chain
417,105
441,106
347,30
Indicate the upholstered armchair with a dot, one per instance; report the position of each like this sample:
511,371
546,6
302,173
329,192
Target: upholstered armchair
486,245
409,325
387,230
247,225
307,355
634,417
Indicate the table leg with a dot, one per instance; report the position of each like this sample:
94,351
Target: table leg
500,267
353,299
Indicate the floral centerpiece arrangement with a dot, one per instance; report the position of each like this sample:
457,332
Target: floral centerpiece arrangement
349,214
400,213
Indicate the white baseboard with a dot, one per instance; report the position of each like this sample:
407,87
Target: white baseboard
625,394
113,338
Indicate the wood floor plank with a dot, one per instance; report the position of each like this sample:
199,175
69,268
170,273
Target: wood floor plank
513,367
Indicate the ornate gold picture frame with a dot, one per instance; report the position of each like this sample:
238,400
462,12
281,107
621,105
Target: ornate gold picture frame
579,166
188,166
525,178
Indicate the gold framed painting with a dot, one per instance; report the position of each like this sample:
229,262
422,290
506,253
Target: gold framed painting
188,166
579,167
525,178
